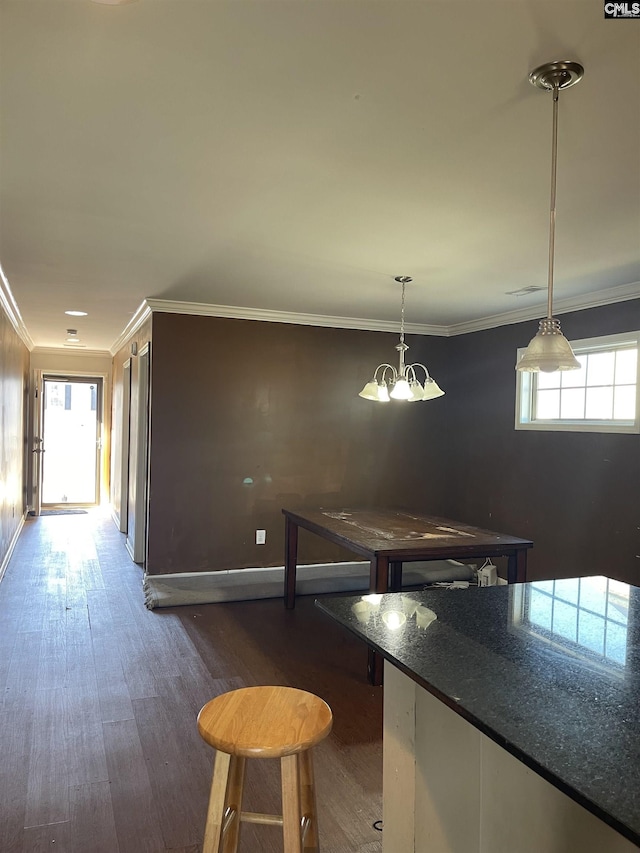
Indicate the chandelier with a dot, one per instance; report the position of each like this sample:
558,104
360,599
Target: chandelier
401,383
549,350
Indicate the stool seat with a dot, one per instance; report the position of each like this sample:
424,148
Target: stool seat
264,722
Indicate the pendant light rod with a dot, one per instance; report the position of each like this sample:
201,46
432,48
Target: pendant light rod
554,76
552,209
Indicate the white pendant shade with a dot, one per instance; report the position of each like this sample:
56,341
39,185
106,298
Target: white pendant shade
383,393
417,392
548,351
378,392
431,390
401,390
370,391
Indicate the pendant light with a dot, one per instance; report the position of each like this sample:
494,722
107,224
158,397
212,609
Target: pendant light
549,350
401,383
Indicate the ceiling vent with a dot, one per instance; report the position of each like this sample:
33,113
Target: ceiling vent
525,291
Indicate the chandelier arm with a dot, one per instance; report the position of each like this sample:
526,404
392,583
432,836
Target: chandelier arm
552,207
418,364
384,367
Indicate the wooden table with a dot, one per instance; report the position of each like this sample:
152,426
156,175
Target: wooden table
388,538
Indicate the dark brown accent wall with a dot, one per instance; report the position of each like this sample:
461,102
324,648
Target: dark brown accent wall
576,495
248,417
14,375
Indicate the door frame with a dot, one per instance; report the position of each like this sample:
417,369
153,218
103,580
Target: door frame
125,425
36,424
137,504
34,479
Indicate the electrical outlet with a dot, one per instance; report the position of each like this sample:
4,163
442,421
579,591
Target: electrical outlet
487,576
261,537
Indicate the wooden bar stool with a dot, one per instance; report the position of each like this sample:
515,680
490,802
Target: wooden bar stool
263,722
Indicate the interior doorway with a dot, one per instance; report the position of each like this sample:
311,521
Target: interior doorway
136,541
70,445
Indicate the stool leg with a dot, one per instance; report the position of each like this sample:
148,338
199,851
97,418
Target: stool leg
308,802
217,797
291,812
233,800
226,791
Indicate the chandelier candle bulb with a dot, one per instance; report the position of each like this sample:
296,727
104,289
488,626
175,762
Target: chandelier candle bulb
401,383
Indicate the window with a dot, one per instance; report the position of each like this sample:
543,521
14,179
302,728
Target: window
602,396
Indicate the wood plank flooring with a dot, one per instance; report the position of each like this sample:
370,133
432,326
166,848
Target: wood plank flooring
99,697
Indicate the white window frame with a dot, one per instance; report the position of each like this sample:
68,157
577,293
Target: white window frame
526,383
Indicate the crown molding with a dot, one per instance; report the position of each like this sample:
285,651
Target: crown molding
72,351
532,312
12,311
141,315
561,306
239,313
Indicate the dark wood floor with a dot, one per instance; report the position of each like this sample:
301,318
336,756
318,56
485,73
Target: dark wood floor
99,751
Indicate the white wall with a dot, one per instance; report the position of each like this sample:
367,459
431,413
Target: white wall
60,361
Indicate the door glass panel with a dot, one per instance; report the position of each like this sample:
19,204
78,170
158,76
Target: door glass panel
70,431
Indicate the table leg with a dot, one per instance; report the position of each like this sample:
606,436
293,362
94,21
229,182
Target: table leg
517,566
378,582
379,574
395,577
375,667
290,562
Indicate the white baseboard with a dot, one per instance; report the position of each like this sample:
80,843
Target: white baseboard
12,545
255,583
115,516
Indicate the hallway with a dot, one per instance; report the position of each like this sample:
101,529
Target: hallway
99,698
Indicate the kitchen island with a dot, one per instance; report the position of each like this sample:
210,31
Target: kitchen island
511,715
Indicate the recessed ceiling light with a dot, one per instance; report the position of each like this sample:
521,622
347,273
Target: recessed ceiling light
76,313
113,2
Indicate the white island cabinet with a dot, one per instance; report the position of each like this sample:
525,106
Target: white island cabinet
511,715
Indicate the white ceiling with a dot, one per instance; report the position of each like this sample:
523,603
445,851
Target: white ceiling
296,155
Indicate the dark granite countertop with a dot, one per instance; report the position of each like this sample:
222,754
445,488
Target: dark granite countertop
550,671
